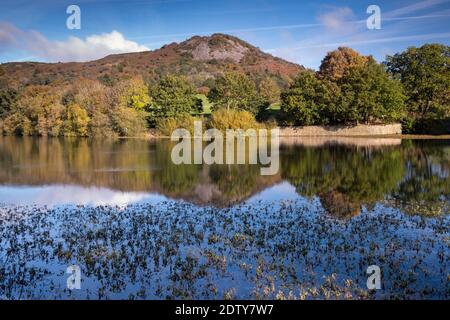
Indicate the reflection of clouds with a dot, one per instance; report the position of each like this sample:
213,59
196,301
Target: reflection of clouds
72,195
280,192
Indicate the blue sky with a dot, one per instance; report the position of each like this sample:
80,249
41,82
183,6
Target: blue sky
299,31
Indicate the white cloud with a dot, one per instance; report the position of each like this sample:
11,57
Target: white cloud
72,49
337,18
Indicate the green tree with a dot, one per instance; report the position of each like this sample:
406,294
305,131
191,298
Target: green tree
425,75
235,90
306,100
8,97
368,95
171,97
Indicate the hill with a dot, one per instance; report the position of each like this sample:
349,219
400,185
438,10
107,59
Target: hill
201,59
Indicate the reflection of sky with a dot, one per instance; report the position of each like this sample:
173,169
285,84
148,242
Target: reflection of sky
56,195
72,195
280,192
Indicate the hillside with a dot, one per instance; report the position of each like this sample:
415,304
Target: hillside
198,58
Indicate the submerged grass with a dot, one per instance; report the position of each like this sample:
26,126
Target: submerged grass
261,251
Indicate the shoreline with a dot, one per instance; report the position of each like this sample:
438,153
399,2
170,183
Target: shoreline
387,136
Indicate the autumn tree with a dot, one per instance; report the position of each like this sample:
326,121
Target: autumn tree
38,111
128,122
98,100
338,63
269,90
77,121
133,94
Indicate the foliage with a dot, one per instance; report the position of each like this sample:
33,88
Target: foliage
77,121
306,99
128,122
269,90
338,63
171,97
134,94
235,90
368,95
37,111
223,119
348,89
8,97
364,93
107,80
425,75
167,126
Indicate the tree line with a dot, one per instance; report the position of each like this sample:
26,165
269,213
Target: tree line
411,87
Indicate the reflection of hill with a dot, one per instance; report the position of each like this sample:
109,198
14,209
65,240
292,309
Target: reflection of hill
125,165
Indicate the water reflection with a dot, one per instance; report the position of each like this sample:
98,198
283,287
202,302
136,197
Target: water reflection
60,195
309,232
346,175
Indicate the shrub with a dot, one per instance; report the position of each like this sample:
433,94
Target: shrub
128,122
223,119
166,126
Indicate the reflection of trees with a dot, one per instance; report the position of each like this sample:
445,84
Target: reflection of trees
76,161
414,176
426,187
339,204
127,165
235,180
171,178
343,177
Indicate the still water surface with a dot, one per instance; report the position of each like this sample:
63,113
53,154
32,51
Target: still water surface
141,227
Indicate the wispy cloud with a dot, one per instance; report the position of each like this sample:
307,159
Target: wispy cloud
429,36
72,49
418,6
339,28
337,18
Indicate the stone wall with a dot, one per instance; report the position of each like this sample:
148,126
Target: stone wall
359,130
